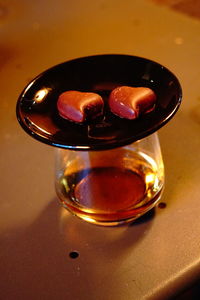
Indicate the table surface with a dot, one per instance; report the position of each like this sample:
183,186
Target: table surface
159,255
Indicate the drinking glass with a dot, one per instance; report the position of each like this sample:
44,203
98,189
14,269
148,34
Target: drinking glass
111,187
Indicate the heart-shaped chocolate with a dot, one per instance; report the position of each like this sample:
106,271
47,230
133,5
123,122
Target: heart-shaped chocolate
79,106
129,102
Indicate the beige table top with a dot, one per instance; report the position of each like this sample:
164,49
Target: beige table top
152,259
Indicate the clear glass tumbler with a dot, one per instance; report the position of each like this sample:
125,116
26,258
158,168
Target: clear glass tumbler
111,187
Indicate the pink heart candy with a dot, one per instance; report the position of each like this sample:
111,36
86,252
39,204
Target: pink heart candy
129,102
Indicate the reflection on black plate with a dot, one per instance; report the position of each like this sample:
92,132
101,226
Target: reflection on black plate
37,112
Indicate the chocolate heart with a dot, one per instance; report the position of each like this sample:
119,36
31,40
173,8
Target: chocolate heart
129,102
78,106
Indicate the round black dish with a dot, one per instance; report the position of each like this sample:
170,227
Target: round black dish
37,112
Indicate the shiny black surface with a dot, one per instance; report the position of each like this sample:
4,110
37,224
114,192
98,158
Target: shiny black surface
37,112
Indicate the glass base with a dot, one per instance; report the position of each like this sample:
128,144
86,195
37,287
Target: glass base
113,219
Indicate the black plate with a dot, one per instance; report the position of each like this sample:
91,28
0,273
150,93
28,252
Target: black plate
37,113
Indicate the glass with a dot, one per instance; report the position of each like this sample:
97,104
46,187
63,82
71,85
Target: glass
108,171
111,187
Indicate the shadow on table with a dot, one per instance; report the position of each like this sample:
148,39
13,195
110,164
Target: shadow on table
36,261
